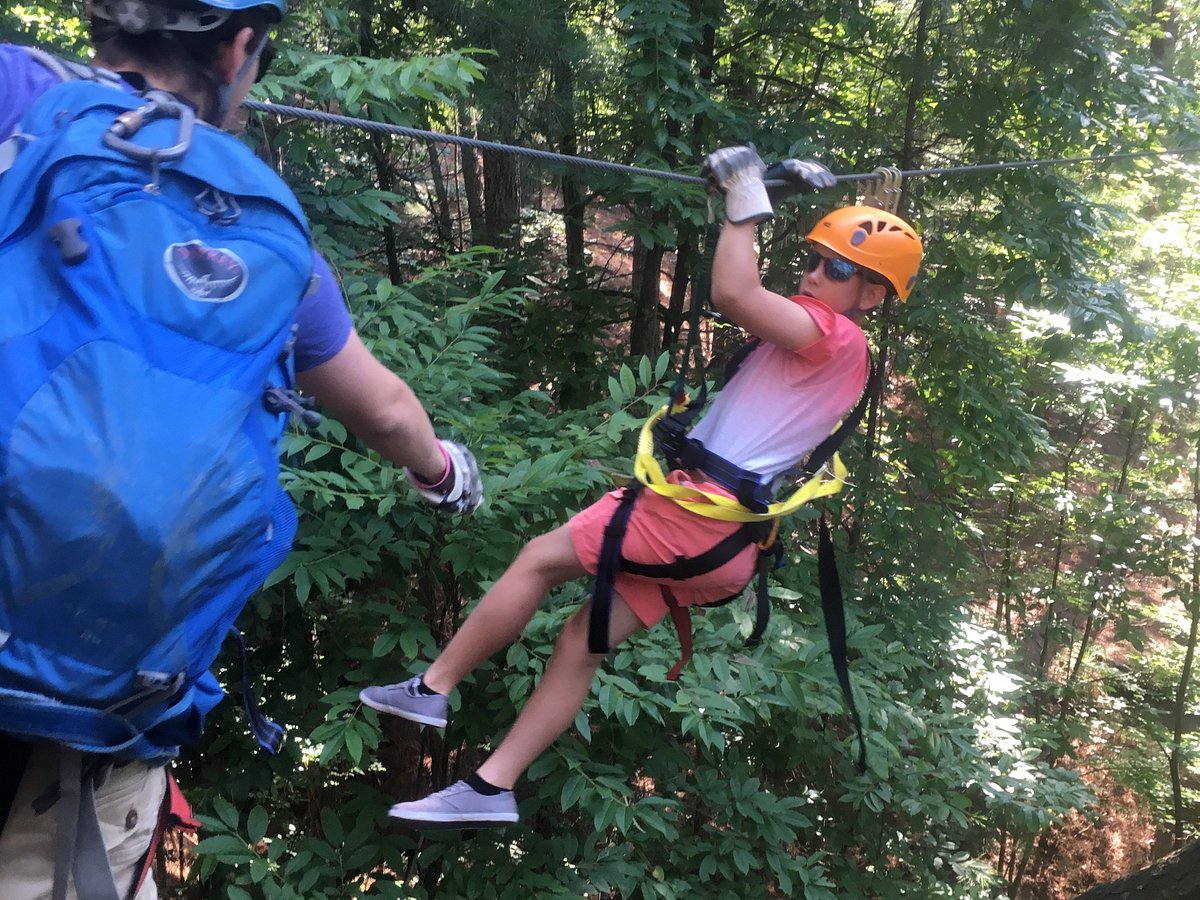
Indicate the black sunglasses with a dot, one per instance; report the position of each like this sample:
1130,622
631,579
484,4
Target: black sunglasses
265,57
835,269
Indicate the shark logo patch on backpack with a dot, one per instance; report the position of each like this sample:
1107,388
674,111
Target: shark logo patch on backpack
208,274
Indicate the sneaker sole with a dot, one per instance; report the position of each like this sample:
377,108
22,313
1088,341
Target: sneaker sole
403,713
451,823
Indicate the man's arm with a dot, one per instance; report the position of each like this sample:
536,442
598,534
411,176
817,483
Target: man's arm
336,368
22,80
377,406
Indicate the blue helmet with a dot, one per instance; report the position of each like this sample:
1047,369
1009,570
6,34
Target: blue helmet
139,16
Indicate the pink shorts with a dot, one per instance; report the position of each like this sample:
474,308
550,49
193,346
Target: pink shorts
660,531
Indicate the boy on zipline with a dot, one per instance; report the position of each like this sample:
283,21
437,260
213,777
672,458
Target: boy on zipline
807,371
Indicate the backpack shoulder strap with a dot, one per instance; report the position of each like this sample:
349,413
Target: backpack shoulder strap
65,70
71,70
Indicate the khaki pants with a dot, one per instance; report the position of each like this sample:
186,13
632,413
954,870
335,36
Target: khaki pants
127,804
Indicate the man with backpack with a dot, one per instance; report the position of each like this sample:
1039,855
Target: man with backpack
163,309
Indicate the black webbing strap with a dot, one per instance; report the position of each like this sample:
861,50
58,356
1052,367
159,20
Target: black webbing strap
685,567
606,570
824,451
835,629
14,759
739,356
268,734
611,562
674,426
767,560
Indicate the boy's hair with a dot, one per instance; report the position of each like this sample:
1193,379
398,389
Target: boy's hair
188,55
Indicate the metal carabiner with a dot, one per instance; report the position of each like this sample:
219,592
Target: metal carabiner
160,105
885,194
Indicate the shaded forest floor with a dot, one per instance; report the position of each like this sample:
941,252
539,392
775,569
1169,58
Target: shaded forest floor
1114,839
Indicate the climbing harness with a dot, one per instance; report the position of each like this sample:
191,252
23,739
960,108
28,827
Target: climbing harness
759,518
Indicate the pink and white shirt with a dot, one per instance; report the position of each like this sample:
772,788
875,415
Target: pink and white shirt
784,402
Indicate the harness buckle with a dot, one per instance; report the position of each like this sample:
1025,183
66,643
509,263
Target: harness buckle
747,494
692,454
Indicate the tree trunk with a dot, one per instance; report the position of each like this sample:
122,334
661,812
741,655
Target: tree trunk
442,218
383,175
473,186
1003,609
1162,45
1093,622
379,151
573,196
501,200
673,320
1060,539
916,87
1185,677
647,276
1175,877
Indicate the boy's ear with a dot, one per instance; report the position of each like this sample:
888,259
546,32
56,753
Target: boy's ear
871,296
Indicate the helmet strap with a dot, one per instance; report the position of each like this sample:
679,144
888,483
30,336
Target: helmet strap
225,89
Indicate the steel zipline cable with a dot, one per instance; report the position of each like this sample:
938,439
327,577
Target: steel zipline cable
604,166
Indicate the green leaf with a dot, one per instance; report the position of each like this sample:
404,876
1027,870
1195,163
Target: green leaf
628,385
220,844
331,825
256,824
227,812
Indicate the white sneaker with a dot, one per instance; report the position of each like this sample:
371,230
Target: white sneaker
406,701
458,805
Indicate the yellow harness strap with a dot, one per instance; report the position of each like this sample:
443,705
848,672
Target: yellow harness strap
717,506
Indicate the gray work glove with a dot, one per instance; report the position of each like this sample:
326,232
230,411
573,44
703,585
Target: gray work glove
461,490
737,172
796,176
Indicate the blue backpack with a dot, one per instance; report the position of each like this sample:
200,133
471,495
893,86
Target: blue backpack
152,271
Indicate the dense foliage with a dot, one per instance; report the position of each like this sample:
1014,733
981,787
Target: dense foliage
1022,543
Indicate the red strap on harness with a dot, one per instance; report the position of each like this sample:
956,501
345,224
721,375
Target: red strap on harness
175,812
683,627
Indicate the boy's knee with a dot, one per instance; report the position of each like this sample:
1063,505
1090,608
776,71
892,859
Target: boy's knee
573,639
550,555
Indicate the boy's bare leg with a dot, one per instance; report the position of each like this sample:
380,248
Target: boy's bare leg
504,611
558,697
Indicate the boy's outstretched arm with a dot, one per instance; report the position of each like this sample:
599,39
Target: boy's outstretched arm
737,290
738,293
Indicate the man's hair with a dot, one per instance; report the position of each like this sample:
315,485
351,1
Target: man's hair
188,55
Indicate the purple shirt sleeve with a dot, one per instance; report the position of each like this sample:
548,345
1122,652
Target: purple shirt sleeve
324,321
22,80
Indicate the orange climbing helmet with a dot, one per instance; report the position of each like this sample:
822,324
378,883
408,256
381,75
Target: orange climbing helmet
874,239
